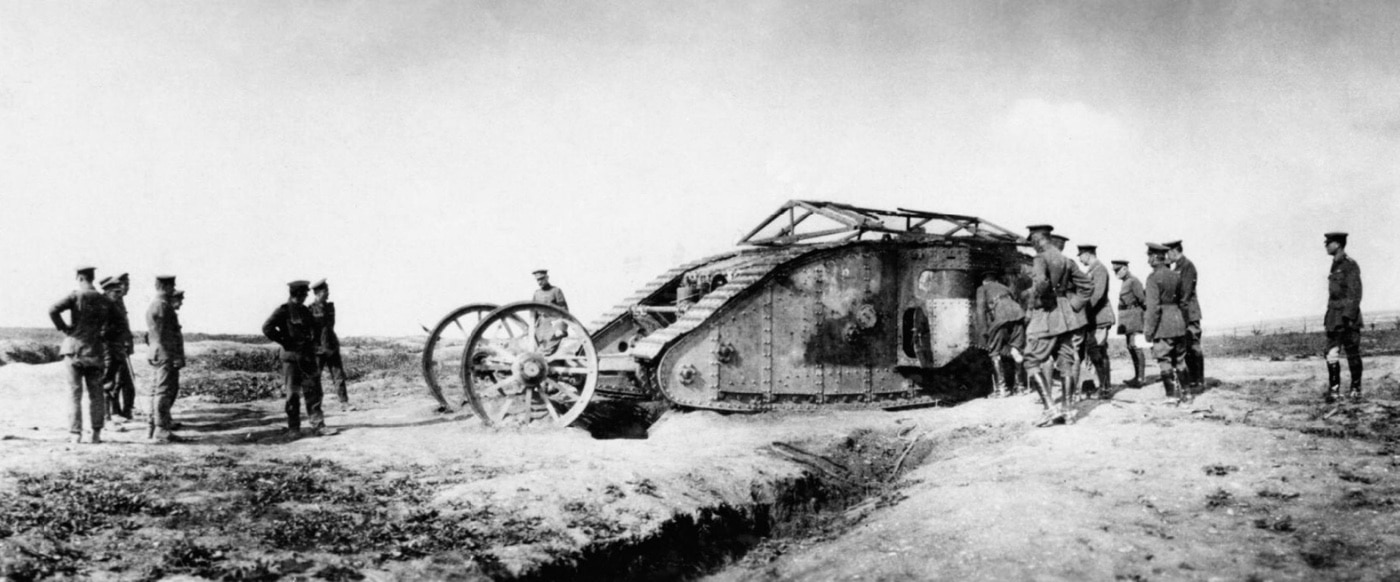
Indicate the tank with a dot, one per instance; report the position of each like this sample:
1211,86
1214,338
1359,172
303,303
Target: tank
822,304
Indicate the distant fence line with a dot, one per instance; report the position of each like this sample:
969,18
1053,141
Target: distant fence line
1302,325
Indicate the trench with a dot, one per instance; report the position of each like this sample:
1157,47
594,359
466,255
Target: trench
840,483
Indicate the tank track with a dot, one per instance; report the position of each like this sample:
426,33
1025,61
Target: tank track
653,345
611,316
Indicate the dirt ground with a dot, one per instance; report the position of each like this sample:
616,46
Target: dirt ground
1255,481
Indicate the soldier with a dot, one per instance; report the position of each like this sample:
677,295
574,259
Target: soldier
549,331
116,372
1059,292
83,350
167,356
293,327
1194,356
1132,299
999,320
1165,321
1100,319
328,343
1343,319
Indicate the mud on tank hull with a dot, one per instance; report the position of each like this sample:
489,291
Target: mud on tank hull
871,324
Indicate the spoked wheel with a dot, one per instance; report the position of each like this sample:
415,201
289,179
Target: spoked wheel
541,373
442,354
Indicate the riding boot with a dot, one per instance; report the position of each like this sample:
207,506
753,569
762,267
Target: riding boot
1008,374
1354,364
1195,369
1169,383
1135,355
1099,356
1070,378
1334,382
998,382
1139,367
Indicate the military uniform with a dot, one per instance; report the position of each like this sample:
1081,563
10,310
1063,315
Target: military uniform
1100,322
328,344
167,355
1132,300
1343,319
116,375
1193,354
548,328
999,322
1059,292
293,327
1164,322
83,350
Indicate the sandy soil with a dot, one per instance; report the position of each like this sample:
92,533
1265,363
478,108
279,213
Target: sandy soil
1256,480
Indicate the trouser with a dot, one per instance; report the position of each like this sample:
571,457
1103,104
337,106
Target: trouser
1136,343
331,363
1346,340
1095,350
299,378
89,377
1046,353
117,382
1192,354
1169,353
167,388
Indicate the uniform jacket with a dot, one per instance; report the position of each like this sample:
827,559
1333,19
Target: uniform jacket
996,305
1166,305
1059,293
121,333
1187,270
1343,295
551,296
1098,312
293,327
165,338
91,329
1132,299
327,341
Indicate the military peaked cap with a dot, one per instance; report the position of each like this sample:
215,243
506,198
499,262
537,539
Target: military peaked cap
538,272
88,269
1156,249
299,284
109,283
178,294
1045,228
123,278
1173,244
165,279
1340,237
1089,248
1120,262
1059,237
319,284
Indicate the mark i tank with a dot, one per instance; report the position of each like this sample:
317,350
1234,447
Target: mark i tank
821,305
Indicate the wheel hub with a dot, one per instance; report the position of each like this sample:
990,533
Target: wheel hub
531,369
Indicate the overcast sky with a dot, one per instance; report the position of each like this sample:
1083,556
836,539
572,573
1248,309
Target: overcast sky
422,155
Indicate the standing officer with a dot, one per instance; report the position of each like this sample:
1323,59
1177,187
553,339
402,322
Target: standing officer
83,349
1165,320
167,356
1343,319
998,320
548,331
1059,291
1132,299
1193,354
116,374
328,343
1100,319
293,327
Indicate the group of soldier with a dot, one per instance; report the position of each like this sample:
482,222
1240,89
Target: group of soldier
98,344
1050,316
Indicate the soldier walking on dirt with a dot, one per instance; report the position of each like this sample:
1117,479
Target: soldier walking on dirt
293,327
548,331
1343,319
116,375
167,356
999,322
1100,319
327,342
1059,291
1132,299
1193,354
1164,321
83,349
